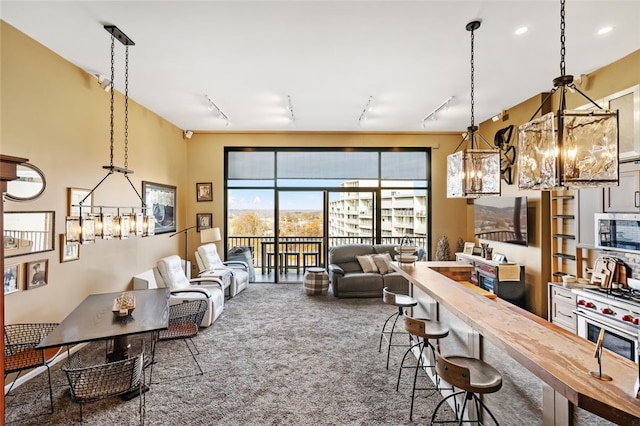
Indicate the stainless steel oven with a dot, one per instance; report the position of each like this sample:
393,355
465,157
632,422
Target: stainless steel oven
615,313
616,339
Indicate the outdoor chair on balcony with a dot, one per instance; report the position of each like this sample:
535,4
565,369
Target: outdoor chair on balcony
20,353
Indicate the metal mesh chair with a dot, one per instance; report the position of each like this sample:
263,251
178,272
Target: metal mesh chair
184,321
95,382
20,353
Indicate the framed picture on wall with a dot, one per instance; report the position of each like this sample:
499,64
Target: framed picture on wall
37,272
204,191
161,205
68,252
204,221
74,196
12,277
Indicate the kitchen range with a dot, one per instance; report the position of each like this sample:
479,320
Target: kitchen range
614,308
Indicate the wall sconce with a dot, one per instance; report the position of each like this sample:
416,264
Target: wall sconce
574,149
473,173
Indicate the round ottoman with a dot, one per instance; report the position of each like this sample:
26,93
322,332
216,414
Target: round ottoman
316,281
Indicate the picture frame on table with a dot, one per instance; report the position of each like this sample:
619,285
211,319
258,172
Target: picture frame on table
68,252
204,191
12,278
74,196
468,247
204,221
37,273
160,200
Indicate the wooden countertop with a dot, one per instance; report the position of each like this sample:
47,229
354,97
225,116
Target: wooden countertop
559,358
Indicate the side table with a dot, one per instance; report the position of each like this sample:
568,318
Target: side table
223,274
316,281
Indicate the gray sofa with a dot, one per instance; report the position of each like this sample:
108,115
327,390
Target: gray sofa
348,279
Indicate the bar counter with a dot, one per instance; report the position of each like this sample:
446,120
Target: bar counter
560,359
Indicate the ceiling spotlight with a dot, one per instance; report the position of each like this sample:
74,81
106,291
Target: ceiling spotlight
521,30
216,110
367,109
188,134
444,106
605,30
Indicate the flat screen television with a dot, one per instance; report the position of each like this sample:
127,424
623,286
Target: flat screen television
501,219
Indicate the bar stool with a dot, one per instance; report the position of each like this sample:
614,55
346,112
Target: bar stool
423,330
401,301
472,376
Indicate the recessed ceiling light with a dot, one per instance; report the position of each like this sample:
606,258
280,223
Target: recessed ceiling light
522,30
605,30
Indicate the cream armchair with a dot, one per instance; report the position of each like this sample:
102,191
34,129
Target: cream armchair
169,273
208,260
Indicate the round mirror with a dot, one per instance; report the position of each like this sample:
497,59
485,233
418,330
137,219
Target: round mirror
29,185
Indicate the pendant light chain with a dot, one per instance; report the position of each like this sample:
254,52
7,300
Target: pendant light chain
562,39
126,109
112,100
472,83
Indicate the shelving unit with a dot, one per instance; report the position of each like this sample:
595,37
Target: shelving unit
564,253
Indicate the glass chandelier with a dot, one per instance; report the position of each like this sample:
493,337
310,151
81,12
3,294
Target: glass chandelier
127,221
473,172
573,149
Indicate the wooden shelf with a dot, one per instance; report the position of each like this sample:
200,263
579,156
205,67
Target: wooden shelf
563,239
564,236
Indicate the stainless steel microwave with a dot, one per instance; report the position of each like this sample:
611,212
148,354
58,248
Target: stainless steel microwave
618,231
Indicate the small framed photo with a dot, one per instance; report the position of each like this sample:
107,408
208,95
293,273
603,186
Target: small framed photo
37,272
204,221
468,247
68,252
74,196
12,278
204,191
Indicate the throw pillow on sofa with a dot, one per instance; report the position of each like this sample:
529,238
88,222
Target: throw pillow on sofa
367,264
382,261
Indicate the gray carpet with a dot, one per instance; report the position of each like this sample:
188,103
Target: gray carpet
274,357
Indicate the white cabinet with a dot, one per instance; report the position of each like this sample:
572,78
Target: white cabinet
562,303
589,203
624,198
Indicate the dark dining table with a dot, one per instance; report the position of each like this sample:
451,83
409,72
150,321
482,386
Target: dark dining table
93,319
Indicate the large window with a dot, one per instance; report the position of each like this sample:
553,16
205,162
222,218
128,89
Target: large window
359,196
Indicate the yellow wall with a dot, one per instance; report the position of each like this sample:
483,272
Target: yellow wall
206,154
57,116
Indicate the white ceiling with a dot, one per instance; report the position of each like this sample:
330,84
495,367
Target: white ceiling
330,56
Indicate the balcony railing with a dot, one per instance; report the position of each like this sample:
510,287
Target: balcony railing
261,246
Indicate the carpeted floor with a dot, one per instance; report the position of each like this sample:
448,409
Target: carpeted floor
275,357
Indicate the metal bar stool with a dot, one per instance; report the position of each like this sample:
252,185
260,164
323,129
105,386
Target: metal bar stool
423,330
472,376
401,301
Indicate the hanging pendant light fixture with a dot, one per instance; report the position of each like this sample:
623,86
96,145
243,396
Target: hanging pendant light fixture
86,227
473,172
573,149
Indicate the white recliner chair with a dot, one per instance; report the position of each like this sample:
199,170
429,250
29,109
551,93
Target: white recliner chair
169,273
208,260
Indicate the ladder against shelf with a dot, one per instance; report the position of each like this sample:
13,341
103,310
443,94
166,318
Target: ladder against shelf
563,239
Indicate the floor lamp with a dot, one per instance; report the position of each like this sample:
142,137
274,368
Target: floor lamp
210,235
185,231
